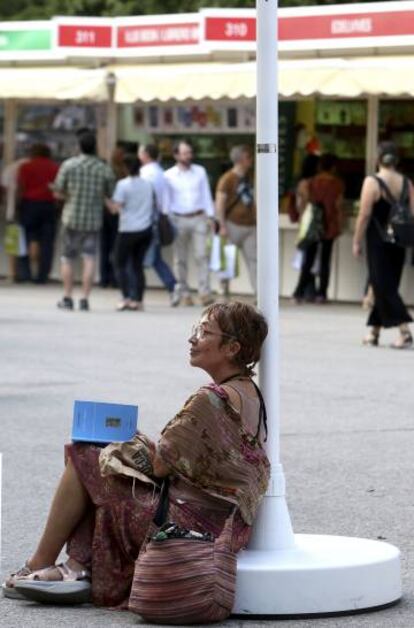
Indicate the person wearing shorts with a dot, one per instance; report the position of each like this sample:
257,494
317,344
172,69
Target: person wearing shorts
85,183
75,243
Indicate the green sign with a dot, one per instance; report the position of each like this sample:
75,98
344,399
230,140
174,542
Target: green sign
25,40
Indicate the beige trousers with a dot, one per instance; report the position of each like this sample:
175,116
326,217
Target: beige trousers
245,238
191,231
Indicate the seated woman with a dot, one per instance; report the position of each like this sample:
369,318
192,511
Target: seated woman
211,451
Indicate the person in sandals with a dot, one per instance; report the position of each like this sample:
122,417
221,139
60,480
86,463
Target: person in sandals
385,259
212,451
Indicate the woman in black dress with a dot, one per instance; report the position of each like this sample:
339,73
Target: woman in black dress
385,260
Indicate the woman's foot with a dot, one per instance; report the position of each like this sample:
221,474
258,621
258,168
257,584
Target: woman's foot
368,301
65,573
405,340
8,585
136,306
372,338
123,305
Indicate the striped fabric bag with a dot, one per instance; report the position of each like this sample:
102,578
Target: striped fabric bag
185,580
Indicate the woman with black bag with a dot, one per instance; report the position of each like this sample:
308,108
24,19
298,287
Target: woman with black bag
385,258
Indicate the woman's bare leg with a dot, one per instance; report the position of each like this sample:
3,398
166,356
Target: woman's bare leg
69,505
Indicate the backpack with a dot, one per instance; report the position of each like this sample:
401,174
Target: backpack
399,229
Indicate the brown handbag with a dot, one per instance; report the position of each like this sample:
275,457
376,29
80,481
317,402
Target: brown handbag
185,580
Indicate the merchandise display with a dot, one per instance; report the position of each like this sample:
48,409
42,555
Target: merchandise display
396,123
55,125
340,127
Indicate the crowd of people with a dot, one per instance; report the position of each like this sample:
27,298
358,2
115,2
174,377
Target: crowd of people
111,210
382,196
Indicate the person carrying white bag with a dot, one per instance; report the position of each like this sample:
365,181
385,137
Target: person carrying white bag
236,213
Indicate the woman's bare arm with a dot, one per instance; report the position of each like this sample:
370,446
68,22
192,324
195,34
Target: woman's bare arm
411,192
369,195
302,195
113,207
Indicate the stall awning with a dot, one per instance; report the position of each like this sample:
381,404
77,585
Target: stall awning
184,81
352,77
391,76
61,83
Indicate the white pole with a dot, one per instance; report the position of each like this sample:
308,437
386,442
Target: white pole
281,573
273,529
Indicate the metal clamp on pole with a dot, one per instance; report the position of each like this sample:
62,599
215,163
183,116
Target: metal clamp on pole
266,148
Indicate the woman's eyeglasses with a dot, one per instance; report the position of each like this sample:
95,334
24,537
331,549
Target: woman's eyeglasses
200,333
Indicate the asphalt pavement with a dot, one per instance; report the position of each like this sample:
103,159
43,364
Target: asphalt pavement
347,424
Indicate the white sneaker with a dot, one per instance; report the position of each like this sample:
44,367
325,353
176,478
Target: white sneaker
175,299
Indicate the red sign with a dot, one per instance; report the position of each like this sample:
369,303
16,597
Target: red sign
347,25
84,36
173,34
311,27
230,29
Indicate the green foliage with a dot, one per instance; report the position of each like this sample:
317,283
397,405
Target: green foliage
44,9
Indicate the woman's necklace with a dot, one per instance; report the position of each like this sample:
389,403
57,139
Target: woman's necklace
234,376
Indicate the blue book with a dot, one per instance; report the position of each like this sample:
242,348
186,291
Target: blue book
97,422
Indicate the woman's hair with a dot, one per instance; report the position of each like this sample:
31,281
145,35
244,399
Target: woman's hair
327,162
245,324
40,150
309,166
151,150
387,154
132,165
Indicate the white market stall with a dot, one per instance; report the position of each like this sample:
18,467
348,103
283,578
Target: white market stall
136,67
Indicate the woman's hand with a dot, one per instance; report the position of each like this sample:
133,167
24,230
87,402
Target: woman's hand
223,230
356,249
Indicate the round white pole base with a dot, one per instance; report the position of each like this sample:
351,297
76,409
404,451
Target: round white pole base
321,574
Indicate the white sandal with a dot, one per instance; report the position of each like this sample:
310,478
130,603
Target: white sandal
74,587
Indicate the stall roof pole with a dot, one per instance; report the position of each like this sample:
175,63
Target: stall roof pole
10,123
372,134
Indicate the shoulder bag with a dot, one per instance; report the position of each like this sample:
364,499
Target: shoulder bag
166,230
182,576
311,226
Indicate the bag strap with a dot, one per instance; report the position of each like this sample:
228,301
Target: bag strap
262,409
228,209
390,197
262,412
226,535
392,200
161,513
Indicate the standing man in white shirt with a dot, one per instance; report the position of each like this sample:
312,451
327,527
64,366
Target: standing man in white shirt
191,209
151,171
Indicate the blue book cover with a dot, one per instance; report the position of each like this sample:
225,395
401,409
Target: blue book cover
99,422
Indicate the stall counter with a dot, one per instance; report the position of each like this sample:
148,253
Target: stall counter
348,275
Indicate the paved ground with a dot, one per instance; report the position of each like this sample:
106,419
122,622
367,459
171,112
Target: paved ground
347,423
